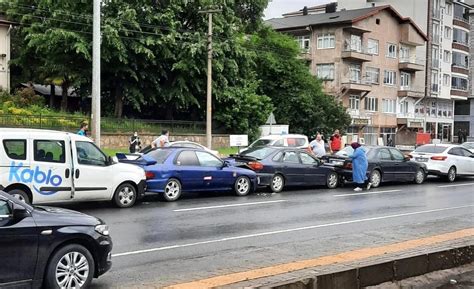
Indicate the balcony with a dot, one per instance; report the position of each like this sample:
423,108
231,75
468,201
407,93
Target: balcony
357,86
305,54
359,54
411,65
358,117
410,92
410,120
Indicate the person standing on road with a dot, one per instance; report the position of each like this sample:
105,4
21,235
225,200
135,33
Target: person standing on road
317,146
335,142
359,167
83,129
162,141
460,136
135,143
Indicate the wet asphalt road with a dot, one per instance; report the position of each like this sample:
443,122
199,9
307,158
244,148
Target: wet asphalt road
165,243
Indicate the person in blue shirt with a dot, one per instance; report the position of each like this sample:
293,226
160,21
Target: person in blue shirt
83,129
359,167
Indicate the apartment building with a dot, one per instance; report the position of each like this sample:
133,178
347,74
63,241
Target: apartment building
446,54
5,28
366,59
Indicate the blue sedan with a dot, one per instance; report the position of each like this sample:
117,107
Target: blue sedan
171,171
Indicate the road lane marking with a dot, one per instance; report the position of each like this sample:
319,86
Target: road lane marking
456,185
367,193
344,257
284,231
228,206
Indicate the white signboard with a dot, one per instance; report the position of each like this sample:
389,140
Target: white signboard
239,140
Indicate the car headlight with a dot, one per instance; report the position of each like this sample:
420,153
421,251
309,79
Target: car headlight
102,229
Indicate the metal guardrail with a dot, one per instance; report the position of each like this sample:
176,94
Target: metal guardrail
108,125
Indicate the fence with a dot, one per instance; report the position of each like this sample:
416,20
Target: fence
108,125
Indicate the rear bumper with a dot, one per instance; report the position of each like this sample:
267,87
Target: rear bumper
436,173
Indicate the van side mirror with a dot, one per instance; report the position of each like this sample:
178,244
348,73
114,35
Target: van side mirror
110,161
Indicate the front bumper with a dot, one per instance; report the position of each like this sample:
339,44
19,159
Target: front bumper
141,189
103,255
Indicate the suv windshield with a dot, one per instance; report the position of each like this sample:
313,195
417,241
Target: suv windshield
159,155
258,153
430,149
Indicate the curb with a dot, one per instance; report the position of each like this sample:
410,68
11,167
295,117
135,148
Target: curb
394,270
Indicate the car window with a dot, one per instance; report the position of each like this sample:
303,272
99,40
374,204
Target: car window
89,154
187,158
15,148
468,145
296,142
51,151
384,154
279,143
277,157
306,159
208,160
291,157
261,142
455,152
397,155
159,155
4,208
259,153
430,149
466,152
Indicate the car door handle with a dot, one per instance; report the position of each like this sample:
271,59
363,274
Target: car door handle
77,173
66,173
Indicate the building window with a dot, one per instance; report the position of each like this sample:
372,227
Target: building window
372,75
446,80
461,13
449,9
403,107
373,46
390,77
371,104
356,43
304,42
391,50
389,105
460,36
447,32
436,33
447,56
326,41
354,102
405,81
459,83
435,57
434,81
460,60
404,54
355,73
325,71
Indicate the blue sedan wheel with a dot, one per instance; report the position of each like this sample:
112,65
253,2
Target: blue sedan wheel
242,186
172,190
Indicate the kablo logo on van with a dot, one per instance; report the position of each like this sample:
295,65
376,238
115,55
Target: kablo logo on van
34,175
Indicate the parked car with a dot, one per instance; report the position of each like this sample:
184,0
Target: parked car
285,140
50,247
469,145
445,160
43,166
171,171
278,167
386,164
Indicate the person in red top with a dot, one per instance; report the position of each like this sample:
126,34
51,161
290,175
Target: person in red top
335,142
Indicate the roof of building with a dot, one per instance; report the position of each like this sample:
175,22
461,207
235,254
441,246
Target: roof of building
338,17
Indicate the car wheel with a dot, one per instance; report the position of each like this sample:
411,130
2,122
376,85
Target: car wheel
172,190
278,182
70,267
20,195
332,180
125,196
242,186
451,174
420,176
375,178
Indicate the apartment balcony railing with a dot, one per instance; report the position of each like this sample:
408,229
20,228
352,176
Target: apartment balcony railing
354,53
411,64
408,91
460,18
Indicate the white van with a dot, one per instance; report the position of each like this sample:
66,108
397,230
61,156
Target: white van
42,166
284,140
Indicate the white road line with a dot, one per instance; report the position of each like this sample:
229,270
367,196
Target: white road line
457,185
368,193
284,231
227,206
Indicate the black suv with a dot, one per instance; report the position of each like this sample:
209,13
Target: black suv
50,247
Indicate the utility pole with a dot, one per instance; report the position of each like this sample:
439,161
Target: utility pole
209,77
96,72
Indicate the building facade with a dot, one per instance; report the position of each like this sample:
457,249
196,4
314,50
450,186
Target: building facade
5,28
446,55
366,59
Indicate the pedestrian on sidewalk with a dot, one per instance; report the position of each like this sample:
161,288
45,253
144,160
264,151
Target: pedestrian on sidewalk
162,141
317,146
135,143
83,129
335,142
359,167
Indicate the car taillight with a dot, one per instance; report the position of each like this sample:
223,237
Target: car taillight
256,166
439,158
149,175
348,166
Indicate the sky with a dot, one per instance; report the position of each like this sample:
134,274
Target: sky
277,7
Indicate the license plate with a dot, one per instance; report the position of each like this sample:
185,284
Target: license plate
337,163
421,159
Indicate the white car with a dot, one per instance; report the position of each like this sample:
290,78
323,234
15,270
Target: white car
445,160
469,145
285,140
194,145
45,166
